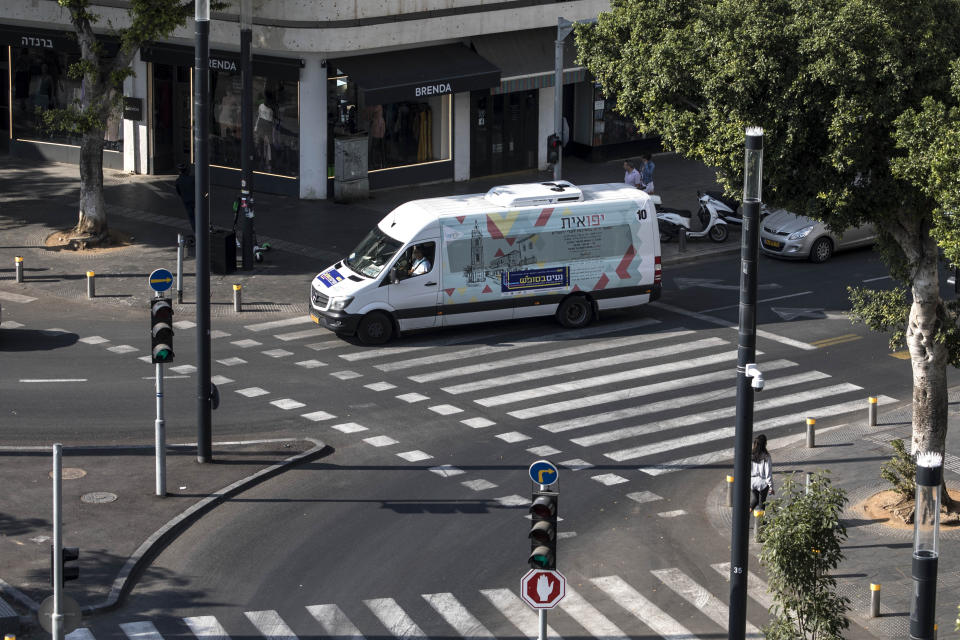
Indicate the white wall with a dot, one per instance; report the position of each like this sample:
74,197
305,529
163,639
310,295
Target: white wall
461,136
135,132
313,128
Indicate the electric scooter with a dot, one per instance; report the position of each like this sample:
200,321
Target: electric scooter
672,221
258,249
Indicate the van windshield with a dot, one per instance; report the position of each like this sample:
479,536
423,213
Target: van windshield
373,253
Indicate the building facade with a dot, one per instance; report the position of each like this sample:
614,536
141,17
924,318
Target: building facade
442,90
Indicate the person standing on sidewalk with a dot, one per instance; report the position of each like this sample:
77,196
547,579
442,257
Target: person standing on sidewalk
761,474
646,173
630,174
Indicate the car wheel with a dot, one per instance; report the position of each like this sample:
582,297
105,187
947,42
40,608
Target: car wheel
821,250
375,328
719,233
575,312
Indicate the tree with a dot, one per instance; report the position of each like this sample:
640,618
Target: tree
845,91
102,79
802,538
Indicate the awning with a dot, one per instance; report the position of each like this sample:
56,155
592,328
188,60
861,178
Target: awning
228,61
61,41
527,58
414,74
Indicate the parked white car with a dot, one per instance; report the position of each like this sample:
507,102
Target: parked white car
789,235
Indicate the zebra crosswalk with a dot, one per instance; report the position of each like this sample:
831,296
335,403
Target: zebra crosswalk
606,607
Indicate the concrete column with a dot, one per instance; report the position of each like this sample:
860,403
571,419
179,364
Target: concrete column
461,136
545,127
135,131
313,128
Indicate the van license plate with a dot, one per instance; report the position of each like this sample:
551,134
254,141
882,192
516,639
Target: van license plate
772,244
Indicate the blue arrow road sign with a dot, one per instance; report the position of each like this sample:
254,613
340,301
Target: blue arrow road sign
543,472
161,280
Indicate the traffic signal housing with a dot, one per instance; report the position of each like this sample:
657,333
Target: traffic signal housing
553,149
543,530
67,554
161,330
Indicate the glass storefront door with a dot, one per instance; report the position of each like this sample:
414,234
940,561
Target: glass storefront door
172,134
503,132
5,102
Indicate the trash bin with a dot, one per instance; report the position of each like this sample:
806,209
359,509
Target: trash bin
350,180
223,252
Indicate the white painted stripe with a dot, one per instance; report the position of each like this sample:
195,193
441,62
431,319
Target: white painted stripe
93,340
15,297
207,628
252,392
447,470
513,436
665,405
346,375
685,587
452,340
580,349
380,386
589,617
517,612
310,364
478,485
380,441
734,306
576,464
246,343
276,324
53,379
184,368
457,616
165,377
122,348
367,354
513,501
221,380
543,451
216,333
609,479
724,412
11,324
296,335
146,359
501,347
641,608
756,588
478,423
879,278
277,353
332,343
287,403
412,397
724,432
334,622
672,514
184,324
394,618
610,378
140,631
414,456
231,362
446,409
80,634
584,365
642,390
644,496
270,625
349,427
317,416
724,323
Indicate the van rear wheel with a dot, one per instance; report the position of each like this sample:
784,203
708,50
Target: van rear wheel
575,312
375,328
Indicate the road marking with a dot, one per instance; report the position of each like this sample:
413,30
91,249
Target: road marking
672,514
346,375
756,588
478,485
140,631
447,470
310,364
588,617
394,618
543,451
15,297
252,392
296,335
446,409
723,323
517,612
53,379
879,278
276,324
216,333
270,625
93,340
577,464
513,501
457,616
184,324
287,403
122,348
184,368
478,423
331,343
207,628
644,496
901,355
232,362
318,416
412,397
513,436
829,342
80,634
414,456
246,343
349,427
221,380
277,353
380,441
165,377
641,608
334,622
734,306
684,586
380,386
609,479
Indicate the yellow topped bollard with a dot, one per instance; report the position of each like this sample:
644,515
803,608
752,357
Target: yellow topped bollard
91,289
811,433
18,268
237,302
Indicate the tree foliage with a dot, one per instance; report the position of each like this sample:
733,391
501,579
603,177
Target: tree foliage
901,471
802,538
848,92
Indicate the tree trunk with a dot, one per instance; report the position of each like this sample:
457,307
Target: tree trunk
93,214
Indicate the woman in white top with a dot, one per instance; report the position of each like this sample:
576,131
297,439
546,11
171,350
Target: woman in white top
761,475
630,174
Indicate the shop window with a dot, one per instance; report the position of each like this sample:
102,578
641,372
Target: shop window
41,82
609,127
398,133
276,129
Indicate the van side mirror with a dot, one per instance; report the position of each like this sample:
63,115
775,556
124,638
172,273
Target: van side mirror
394,278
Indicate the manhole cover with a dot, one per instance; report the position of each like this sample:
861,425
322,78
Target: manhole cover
70,473
98,497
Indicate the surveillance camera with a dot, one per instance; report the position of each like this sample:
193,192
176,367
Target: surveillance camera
752,372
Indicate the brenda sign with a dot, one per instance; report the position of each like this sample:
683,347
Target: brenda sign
433,89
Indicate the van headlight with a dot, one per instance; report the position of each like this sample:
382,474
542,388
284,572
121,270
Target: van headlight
802,233
339,304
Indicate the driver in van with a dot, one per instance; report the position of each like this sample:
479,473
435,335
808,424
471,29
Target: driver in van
420,263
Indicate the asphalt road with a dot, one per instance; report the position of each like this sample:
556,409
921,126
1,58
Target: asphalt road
445,424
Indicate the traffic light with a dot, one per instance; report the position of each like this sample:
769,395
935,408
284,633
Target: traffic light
161,330
543,530
553,149
67,554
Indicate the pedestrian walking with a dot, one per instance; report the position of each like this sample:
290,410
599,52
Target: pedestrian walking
185,186
761,473
630,173
646,173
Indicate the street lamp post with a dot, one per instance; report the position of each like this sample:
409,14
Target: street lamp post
246,141
746,354
926,545
201,159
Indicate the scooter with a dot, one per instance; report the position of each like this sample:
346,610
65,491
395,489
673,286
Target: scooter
672,221
718,204
258,249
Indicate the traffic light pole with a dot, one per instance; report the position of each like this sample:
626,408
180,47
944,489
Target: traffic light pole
160,436
57,618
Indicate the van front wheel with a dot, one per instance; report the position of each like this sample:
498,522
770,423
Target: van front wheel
575,312
375,328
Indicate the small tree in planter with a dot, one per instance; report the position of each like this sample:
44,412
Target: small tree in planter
901,472
802,537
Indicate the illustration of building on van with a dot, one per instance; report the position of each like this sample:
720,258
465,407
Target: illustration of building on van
479,270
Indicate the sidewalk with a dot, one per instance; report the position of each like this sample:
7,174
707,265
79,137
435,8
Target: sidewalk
873,552
305,236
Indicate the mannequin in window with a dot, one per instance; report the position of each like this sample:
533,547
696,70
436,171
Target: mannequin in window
263,131
378,129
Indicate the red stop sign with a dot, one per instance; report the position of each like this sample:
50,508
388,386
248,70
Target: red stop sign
543,589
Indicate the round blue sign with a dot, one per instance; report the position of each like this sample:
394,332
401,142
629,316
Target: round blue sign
543,472
161,280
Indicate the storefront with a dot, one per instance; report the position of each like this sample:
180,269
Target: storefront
35,68
276,102
403,102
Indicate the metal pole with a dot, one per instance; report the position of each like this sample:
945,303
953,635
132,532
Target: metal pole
237,299
543,625
180,244
682,240
57,617
811,433
874,600
872,411
926,545
746,353
729,491
160,433
563,29
91,285
201,100
18,265
246,140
